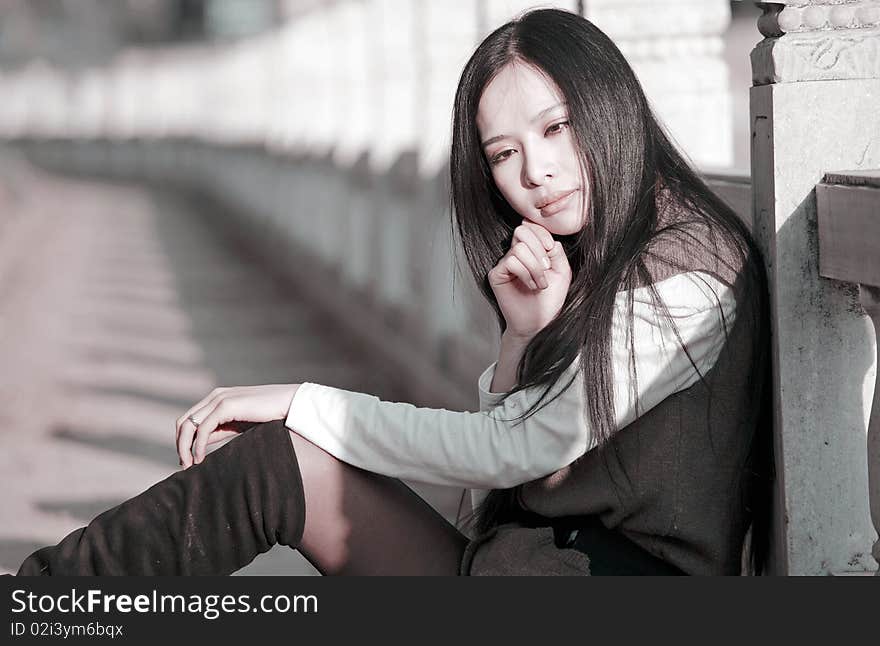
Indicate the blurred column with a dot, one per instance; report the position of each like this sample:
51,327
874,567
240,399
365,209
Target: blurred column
87,106
118,121
168,102
292,86
119,126
354,134
814,109
144,84
227,94
326,189
11,108
250,62
394,74
126,80
44,104
296,117
316,61
675,47
449,32
246,72
323,120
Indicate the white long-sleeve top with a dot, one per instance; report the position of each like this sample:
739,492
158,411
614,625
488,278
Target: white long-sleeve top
481,450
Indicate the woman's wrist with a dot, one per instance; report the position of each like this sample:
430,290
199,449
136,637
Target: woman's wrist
512,348
513,340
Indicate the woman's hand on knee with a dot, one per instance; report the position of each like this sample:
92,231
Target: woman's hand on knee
226,412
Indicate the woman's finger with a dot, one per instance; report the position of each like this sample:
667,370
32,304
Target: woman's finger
208,401
220,435
184,443
527,235
536,269
513,265
222,413
189,430
543,234
558,259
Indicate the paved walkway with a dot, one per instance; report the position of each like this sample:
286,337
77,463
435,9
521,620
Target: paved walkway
120,308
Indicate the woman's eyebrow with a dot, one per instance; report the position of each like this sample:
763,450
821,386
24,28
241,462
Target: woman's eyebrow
543,113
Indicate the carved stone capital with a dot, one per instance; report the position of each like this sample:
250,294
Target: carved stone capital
817,40
801,16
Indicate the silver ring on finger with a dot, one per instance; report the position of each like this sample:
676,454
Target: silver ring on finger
194,421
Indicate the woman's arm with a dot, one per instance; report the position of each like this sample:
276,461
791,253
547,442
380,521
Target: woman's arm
438,446
487,450
512,348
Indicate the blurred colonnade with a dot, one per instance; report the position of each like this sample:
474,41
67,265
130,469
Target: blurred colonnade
330,136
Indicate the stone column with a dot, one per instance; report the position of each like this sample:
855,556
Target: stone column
814,109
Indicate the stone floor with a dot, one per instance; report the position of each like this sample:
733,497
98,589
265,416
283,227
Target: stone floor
119,308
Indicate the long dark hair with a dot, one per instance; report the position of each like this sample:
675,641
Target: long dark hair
627,160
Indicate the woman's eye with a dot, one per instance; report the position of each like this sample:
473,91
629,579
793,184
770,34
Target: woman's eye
500,157
556,128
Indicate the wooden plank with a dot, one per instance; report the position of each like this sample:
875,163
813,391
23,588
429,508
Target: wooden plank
854,178
849,233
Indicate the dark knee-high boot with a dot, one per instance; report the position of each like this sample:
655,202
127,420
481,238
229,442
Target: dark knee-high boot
212,518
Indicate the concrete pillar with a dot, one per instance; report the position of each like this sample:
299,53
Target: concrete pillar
814,109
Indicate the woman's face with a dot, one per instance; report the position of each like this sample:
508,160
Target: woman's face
523,124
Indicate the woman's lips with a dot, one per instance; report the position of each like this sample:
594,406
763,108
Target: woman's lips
558,204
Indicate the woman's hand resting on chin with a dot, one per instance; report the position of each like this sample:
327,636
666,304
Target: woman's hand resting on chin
226,412
531,280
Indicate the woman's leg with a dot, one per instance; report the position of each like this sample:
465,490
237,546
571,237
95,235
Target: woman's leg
361,523
212,518
250,494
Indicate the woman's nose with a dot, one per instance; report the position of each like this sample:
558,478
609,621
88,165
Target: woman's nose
538,168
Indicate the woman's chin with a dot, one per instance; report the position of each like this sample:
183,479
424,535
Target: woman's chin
560,224
561,227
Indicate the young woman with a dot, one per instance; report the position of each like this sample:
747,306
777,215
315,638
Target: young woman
620,430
